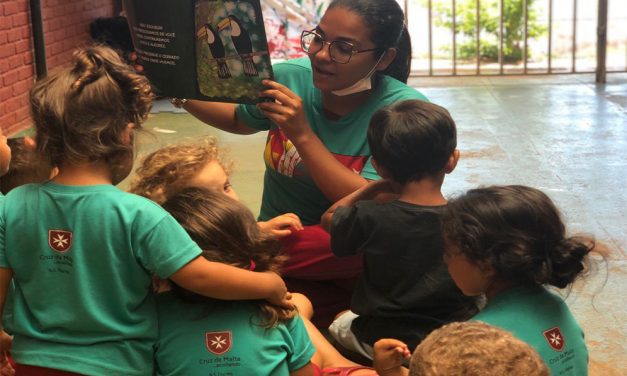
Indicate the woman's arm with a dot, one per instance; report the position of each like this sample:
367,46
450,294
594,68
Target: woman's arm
332,178
218,115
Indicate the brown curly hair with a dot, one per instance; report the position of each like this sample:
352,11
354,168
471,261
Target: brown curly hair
81,112
227,232
166,171
518,232
475,349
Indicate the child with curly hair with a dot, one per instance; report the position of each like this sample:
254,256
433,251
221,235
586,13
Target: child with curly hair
172,168
80,251
469,348
509,243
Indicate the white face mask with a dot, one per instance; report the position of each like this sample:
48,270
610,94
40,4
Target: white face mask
361,85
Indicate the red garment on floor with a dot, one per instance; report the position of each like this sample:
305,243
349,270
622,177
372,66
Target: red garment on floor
25,370
313,270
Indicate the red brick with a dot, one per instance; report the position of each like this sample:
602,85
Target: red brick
4,65
10,7
20,19
14,35
6,23
7,50
5,93
16,61
13,105
24,73
22,46
9,79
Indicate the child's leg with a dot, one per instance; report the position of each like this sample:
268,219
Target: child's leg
341,331
327,358
315,271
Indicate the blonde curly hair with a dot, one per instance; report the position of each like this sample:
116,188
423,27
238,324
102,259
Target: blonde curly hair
165,172
474,348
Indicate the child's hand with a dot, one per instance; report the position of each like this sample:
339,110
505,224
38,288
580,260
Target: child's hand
6,369
388,357
281,226
280,297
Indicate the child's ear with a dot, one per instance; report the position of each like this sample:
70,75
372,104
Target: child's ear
127,133
452,162
381,171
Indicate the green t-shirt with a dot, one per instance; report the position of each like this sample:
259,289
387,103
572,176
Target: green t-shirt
223,338
543,320
82,258
288,187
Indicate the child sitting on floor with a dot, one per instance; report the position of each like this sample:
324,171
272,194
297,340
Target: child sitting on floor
166,171
509,242
404,291
82,252
248,338
201,336
461,348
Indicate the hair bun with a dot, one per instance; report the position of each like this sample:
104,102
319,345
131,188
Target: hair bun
88,66
568,260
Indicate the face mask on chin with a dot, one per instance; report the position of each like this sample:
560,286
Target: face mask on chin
361,85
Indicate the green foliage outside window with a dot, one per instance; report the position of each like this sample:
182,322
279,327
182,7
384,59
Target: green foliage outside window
513,27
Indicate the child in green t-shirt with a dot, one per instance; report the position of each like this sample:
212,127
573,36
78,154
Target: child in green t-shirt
82,252
508,243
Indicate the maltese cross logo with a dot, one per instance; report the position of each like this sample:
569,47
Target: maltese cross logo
218,342
60,240
555,338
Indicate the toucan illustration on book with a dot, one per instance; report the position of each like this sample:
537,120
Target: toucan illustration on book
241,41
217,49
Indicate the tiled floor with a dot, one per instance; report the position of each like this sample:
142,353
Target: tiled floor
563,134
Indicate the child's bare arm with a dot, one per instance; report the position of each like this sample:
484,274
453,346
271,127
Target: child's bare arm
281,226
227,282
5,339
388,357
383,189
307,370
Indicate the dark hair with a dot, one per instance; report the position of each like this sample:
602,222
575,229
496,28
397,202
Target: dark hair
26,166
81,112
518,232
386,22
227,232
412,139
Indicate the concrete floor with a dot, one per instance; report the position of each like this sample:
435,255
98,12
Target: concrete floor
562,134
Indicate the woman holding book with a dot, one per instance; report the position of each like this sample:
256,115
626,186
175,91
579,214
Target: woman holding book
316,151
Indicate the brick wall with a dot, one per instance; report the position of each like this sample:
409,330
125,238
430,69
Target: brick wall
66,26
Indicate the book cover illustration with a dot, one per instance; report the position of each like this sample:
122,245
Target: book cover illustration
232,54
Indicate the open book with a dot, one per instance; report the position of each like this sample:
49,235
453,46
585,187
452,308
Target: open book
214,50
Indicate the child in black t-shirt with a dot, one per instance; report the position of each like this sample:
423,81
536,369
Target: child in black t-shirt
404,291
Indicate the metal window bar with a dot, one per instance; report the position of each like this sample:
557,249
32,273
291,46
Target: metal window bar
550,46
478,32
574,61
601,39
501,20
454,38
525,6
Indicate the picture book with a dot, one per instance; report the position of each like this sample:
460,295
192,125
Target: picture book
213,50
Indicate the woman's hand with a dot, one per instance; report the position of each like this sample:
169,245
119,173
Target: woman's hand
281,226
286,111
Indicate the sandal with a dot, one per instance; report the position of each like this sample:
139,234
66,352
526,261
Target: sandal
345,371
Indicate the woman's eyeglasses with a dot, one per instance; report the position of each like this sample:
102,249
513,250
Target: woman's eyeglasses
340,51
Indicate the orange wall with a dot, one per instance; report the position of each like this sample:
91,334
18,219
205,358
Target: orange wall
66,26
